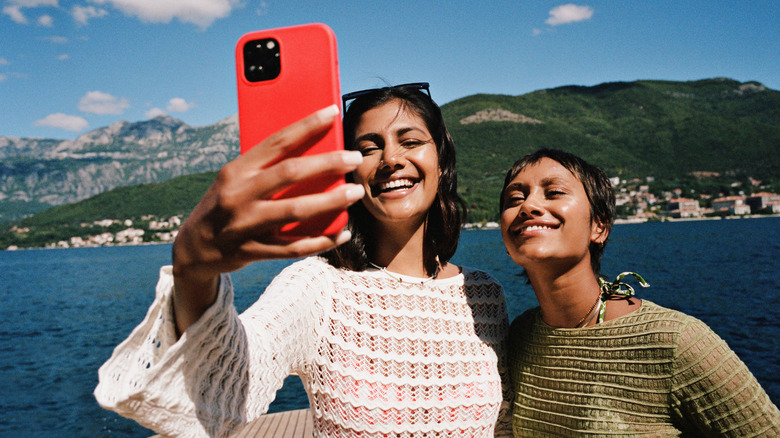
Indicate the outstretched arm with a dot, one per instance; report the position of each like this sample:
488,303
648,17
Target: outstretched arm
234,224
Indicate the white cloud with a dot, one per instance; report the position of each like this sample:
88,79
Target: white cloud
199,12
82,14
3,77
262,10
46,20
33,3
569,13
56,39
536,32
63,57
15,13
179,105
98,102
4,61
63,121
14,8
154,112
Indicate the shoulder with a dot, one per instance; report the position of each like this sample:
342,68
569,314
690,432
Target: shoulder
476,276
672,319
478,283
307,272
691,337
308,266
524,323
522,330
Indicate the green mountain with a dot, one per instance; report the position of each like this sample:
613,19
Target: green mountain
175,197
36,174
637,129
672,131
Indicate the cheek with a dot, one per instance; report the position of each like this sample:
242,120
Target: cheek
507,216
580,218
364,171
505,220
425,157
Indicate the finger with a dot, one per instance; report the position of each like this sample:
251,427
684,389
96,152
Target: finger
294,170
260,217
299,248
292,136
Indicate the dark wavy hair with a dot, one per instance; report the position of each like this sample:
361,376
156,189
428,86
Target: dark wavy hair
601,194
446,214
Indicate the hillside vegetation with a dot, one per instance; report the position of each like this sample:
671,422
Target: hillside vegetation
646,128
667,130
176,197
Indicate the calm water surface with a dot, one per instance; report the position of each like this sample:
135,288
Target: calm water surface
65,310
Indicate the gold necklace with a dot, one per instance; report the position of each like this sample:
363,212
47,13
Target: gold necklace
400,279
590,312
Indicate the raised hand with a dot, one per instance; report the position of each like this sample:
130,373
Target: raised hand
235,222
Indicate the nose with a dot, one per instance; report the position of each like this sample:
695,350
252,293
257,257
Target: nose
533,205
392,156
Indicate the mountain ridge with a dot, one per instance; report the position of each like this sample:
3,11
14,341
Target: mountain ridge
665,129
35,173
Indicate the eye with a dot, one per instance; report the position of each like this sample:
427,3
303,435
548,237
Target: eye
555,192
367,148
411,143
513,199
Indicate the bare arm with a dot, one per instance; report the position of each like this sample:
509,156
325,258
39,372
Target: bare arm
233,225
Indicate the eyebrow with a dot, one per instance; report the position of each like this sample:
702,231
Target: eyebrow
546,182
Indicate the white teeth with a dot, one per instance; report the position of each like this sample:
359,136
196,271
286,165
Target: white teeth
398,183
537,227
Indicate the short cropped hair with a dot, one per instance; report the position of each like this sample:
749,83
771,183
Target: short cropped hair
601,194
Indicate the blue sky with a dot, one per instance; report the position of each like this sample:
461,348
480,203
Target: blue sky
67,67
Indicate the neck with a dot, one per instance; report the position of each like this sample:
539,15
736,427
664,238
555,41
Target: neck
565,298
399,250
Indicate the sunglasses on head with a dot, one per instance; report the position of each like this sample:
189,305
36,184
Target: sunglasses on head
422,86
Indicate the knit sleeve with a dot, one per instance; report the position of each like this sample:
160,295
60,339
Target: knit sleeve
224,371
504,422
713,391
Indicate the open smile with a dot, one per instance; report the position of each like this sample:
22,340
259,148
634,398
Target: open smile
392,186
533,228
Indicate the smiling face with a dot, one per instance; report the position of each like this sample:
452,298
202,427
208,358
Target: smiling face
400,169
546,218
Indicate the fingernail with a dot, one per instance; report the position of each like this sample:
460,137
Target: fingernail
355,192
343,237
328,113
352,157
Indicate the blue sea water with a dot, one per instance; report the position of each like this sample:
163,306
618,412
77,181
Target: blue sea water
64,311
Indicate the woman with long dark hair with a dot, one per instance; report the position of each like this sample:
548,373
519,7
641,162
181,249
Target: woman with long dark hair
388,337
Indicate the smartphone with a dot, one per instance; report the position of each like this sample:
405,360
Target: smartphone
284,75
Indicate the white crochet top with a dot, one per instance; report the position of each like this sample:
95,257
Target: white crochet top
378,357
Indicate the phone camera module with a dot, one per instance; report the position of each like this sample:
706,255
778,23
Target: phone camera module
262,60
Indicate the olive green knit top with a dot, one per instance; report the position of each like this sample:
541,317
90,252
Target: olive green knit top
654,372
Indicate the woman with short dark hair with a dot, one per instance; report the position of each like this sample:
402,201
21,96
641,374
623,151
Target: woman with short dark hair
592,360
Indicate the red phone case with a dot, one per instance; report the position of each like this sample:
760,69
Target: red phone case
308,81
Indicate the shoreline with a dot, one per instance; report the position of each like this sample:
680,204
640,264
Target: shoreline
466,227
693,219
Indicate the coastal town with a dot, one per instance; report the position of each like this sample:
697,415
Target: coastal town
635,201
645,206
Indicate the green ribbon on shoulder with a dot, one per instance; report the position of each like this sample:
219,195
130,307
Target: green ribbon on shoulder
618,287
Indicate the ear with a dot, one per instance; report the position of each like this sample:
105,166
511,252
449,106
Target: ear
598,232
